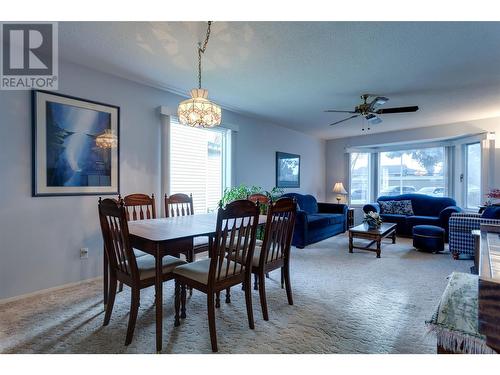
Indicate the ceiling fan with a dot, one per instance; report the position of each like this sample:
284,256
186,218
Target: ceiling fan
370,109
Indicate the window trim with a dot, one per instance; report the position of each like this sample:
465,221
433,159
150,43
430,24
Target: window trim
465,189
226,157
370,179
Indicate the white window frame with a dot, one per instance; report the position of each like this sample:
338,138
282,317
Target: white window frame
465,188
446,161
225,158
370,178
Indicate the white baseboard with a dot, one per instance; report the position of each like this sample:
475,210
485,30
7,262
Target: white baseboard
48,290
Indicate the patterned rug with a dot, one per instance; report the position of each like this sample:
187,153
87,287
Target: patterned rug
344,303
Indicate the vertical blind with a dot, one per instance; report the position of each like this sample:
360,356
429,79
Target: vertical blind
197,164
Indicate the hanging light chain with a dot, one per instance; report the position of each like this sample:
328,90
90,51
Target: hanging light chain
202,50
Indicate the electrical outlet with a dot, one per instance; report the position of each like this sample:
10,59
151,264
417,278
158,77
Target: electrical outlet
84,253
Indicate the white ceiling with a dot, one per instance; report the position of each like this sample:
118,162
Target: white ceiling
289,72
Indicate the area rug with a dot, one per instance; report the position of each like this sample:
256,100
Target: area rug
343,303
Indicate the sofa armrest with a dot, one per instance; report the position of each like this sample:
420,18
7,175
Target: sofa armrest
445,214
375,207
332,208
301,216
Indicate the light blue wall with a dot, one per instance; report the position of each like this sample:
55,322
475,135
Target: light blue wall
40,238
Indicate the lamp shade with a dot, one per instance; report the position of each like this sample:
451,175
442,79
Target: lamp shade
199,111
107,139
338,188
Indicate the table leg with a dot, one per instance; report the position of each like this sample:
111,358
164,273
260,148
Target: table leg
378,247
158,299
105,281
350,242
394,237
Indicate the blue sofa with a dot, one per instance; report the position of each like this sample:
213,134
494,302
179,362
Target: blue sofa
316,221
427,210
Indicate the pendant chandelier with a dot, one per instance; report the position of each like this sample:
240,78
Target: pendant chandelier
107,139
199,111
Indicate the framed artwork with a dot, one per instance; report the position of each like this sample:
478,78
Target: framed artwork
71,154
287,170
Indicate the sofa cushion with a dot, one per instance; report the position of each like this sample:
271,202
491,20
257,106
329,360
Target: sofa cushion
318,221
423,205
392,218
332,218
423,220
398,207
491,212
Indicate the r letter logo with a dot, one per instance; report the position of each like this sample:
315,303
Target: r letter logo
29,57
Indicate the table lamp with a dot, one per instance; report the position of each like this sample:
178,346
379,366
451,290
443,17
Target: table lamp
339,189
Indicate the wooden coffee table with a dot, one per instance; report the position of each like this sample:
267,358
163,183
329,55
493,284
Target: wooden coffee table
375,235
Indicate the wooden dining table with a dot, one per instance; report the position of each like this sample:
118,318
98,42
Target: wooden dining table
169,236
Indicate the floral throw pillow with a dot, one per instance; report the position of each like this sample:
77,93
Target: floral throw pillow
402,207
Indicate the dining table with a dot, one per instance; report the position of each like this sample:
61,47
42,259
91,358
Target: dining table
168,236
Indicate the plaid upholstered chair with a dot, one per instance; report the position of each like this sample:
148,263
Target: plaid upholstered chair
461,226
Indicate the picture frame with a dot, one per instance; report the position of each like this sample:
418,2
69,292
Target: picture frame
66,158
287,170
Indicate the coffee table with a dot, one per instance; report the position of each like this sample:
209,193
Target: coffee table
375,235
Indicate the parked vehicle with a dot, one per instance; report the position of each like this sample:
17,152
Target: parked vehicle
396,190
432,191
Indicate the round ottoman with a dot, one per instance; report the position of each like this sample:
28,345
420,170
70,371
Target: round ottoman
428,238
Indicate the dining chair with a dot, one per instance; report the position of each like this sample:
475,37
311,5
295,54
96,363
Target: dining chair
138,207
181,205
264,200
235,232
274,252
259,197
137,273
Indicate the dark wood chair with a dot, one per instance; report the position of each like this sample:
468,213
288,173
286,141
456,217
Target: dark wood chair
258,197
124,266
264,201
181,205
235,233
139,207
274,252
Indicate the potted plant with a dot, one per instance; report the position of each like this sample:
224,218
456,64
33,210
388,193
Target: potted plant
373,220
493,197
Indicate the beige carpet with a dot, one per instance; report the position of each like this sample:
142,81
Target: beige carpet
344,303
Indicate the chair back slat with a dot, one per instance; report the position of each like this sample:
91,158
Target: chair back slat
234,239
114,227
140,206
179,205
279,231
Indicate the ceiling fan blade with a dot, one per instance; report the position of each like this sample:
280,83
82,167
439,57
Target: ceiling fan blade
373,119
377,102
397,110
338,122
335,111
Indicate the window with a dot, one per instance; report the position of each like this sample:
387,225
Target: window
359,184
198,164
473,175
421,171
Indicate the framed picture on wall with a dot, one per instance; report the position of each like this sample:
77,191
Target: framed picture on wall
76,148
287,170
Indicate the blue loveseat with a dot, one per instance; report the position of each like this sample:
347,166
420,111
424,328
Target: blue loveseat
427,210
316,221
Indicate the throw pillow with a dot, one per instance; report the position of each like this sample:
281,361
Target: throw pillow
402,207
491,212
